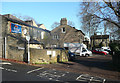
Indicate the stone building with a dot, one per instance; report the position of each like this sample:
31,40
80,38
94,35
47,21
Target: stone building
41,26
96,40
13,37
87,42
65,34
33,23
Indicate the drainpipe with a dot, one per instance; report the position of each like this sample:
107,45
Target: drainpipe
28,54
5,47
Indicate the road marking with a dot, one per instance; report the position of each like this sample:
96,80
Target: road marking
78,77
1,68
50,78
86,78
34,70
67,72
91,79
54,69
57,80
104,80
63,74
52,75
8,69
55,72
5,63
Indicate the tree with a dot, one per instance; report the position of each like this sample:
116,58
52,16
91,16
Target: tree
25,17
70,23
56,24
99,15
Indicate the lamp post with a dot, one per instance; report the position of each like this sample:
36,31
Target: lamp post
28,39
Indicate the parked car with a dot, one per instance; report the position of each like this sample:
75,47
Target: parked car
86,52
106,49
78,49
71,56
100,51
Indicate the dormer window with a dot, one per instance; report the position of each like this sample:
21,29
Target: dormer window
63,30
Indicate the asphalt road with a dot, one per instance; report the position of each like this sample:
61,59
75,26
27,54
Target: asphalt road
21,72
15,72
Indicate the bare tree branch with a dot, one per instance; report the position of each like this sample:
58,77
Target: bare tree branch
95,15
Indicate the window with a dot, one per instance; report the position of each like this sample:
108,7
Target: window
84,50
39,34
55,37
42,35
63,30
34,33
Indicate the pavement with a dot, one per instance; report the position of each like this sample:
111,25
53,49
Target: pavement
83,69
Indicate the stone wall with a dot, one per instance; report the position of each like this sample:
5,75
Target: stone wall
0,36
16,49
47,56
15,42
15,46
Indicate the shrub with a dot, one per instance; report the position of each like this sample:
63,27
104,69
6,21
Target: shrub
115,47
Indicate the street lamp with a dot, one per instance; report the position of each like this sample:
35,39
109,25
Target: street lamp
28,39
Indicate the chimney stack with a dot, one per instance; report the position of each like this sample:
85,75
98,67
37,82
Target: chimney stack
63,21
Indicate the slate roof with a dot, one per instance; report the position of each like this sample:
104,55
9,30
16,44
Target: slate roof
39,24
23,23
80,31
99,36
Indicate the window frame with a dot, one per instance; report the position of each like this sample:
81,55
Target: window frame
63,30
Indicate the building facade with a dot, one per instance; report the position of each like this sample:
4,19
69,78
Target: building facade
96,40
13,37
33,23
65,34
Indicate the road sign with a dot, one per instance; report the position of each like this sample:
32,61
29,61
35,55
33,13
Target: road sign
24,31
28,38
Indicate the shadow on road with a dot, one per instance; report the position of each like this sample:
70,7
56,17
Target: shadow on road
102,62
66,63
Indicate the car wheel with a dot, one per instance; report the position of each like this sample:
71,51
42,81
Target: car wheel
82,54
87,55
103,54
